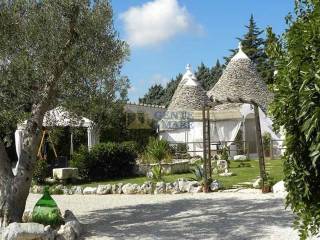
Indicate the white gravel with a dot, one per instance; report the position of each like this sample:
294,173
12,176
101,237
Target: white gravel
224,215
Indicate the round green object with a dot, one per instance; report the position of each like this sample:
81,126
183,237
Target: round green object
46,211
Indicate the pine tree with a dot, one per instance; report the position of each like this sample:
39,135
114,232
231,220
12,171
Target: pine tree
170,89
216,73
154,95
204,76
254,46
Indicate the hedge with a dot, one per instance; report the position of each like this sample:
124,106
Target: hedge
105,161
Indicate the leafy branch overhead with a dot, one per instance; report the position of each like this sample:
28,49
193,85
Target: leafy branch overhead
296,108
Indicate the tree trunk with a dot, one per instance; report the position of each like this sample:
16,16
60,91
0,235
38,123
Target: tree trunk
14,190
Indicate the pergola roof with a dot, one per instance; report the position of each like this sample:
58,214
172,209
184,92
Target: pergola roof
240,82
189,95
59,117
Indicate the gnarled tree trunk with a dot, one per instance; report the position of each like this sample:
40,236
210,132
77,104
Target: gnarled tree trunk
14,190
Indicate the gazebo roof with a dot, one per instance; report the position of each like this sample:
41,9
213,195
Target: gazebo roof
189,95
59,117
240,82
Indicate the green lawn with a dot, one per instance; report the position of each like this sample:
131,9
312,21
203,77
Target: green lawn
243,174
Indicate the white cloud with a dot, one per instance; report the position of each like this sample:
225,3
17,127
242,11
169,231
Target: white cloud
157,21
159,79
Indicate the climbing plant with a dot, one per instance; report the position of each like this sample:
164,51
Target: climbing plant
296,108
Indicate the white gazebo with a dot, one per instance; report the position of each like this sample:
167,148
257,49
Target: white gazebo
59,117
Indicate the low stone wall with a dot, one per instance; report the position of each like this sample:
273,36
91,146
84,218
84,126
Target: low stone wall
168,168
179,186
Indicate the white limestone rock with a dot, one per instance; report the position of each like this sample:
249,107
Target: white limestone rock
279,189
240,157
147,188
226,174
116,188
77,190
183,185
65,173
27,216
160,188
257,183
222,165
215,185
194,187
25,231
90,190
131,188
72,221
172,188
66,232
104,189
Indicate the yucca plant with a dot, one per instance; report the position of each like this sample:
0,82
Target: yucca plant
198,172
158,151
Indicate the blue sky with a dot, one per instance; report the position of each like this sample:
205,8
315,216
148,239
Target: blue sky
166,35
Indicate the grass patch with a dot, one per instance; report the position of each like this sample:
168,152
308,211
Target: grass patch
247,173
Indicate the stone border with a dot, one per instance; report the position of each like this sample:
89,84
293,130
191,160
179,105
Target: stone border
179,186
71,230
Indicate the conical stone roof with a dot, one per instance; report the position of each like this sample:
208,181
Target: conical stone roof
239,82
189,95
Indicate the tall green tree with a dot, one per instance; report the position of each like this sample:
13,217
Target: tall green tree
216,72
204,76
254,46
50,54
171,88
154,95
296,108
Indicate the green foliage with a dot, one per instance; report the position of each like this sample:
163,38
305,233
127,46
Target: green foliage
198,172
156,172
158,151
254,46
41,171
180,151
105,161
154,95
43,41
296,108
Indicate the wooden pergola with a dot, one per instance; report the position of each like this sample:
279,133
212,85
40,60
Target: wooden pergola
239,83
207,142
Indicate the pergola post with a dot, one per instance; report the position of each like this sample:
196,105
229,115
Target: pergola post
209,145
260,145
204,138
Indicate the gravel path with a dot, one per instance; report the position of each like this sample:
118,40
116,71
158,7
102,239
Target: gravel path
224,215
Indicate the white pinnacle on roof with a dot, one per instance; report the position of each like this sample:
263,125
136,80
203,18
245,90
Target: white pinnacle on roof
189,79
240,54
189,95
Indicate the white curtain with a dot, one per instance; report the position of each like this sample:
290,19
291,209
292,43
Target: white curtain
225,131
18,137
93,137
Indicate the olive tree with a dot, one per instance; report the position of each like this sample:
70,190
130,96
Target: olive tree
296,108
52,52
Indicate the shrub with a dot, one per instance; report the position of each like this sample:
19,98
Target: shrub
180,151
197,170
41,171
296,110
157,151
105,161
